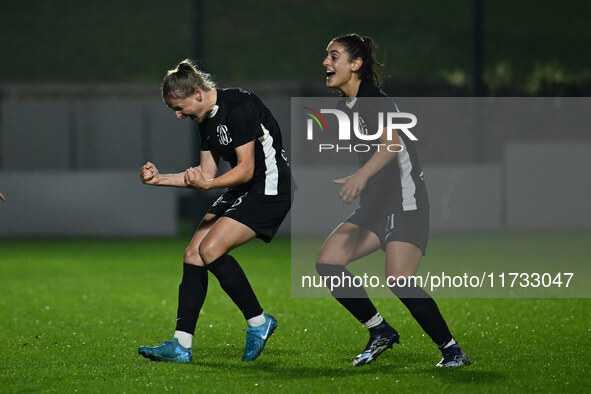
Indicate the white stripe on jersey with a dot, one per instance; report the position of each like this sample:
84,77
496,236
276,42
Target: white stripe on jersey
272,172
409,203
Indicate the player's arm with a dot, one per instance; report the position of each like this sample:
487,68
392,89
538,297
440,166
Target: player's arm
241,173
150,175
354,184
208,164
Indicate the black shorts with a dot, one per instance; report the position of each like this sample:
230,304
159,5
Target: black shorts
263,214
406,226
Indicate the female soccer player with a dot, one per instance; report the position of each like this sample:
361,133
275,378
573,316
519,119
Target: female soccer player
236,126
393,213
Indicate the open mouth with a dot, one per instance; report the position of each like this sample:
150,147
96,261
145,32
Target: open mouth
329,75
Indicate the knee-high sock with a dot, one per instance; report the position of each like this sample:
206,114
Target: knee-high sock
192,292
235,283
425,311
353,298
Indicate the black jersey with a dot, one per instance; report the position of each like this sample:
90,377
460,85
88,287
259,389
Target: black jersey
238,118
399,186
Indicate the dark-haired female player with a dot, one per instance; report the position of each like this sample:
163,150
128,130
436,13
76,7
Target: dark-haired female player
393,213
236,126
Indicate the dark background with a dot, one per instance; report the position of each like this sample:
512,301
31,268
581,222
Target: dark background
528,48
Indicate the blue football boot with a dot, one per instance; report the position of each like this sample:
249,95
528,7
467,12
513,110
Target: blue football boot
256,337
167,351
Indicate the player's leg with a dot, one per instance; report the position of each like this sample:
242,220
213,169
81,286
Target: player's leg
349,242
193,286
192,292
402,262
226,235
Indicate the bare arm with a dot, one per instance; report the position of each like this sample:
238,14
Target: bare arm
241,173
208,165
354,184
150,175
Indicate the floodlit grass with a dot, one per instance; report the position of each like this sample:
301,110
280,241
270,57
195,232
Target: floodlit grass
74,313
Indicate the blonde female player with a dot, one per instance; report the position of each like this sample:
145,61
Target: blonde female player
237,127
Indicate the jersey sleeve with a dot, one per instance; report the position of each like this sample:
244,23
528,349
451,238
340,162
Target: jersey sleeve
244,124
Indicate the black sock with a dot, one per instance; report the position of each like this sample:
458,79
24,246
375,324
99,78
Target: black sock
235,283
425,311
353,298
192,292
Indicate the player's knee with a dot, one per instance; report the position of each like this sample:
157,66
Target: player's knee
404,286
402,278
331,258
192,256
210,250
328,269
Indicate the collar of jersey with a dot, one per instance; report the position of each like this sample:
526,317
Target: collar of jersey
350,102
214,111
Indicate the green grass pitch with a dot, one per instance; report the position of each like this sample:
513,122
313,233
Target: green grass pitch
75,311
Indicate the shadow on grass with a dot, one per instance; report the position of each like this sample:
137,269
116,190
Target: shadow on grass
291,364
464,375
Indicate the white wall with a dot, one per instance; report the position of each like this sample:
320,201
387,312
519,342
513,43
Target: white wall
101,203
548,186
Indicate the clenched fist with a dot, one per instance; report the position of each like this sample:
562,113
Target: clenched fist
149,174
194,178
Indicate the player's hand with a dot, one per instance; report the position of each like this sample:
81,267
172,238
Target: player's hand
149,174
352,187
194,179
2,197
